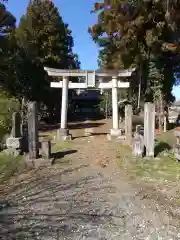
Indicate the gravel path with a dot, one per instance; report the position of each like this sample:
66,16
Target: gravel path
79,199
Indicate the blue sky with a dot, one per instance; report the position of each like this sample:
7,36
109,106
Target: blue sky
77,14
176,92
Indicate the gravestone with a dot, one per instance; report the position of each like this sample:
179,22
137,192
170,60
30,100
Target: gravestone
16,125
128,124
33,130
46,149
149,128
24,133
138,145
14,143
177,145
140,129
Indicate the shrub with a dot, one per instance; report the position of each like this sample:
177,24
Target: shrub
7,107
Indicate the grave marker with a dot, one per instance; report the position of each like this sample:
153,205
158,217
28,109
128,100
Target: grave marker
16,125
138,145
46,149
14,143
149,128
177,145
128,124
33,130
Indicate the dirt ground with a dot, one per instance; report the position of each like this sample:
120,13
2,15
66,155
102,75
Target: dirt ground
84,195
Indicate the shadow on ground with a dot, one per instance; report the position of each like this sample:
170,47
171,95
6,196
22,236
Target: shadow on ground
161,147
48,127
84,118
46,207
57,155
79,125
84,125
93,134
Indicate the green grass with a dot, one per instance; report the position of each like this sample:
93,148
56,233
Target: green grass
49,134
164,167
56,145
61,146
10,165
167,137
7,107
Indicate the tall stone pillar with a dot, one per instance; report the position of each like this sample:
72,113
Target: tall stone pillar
115,103
128,124
63,132
149,128
115,131
33,130
64,104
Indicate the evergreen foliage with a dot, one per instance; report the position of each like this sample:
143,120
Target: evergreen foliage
134,33
41,39
44,40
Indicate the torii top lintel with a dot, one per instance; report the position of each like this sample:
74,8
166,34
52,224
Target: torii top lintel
84,73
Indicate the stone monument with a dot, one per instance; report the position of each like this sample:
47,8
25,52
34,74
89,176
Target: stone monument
14,143
128,124
149,128
33,131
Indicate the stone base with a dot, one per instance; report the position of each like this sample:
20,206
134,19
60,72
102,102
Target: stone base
13,152
120,139
116,134
15,143
63,135
14,146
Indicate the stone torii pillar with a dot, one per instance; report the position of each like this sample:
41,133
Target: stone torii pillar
115,131
63,132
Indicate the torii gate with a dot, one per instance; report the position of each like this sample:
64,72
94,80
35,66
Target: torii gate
93,79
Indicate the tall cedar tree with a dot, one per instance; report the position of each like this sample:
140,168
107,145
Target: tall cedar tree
44,40
140,33
7,26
